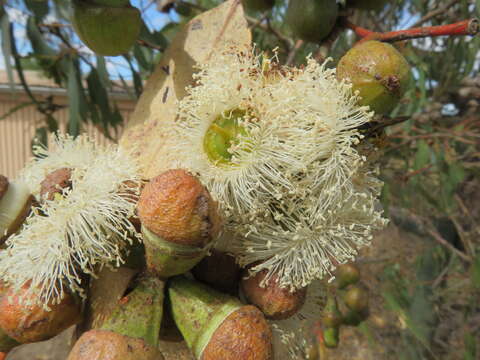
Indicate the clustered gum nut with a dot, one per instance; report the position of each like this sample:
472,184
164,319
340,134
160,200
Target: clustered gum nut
378,72
311,20
275,302
15,205
217,326
220,271
54,183
131,330
356,298
179,220
32,323
347,274
258,5
107,30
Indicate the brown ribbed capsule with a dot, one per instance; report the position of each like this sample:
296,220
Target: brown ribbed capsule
31,323
179,219
275,302
55,182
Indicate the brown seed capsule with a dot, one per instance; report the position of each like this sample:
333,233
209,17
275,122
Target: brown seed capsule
31,323
108,345
275,302
55,183
179,219
220,271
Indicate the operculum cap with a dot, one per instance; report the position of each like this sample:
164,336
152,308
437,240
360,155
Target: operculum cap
108,31
378,71
218,326
108,345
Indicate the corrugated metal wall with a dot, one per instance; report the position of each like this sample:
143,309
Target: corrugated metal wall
18,129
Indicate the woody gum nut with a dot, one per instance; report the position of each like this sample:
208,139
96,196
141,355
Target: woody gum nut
106,30
139,314
218,326
220,271
108,345
31,323
378,72
179,220
275,302
55,183
15,205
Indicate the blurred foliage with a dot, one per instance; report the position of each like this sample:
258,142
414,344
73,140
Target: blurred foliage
430,163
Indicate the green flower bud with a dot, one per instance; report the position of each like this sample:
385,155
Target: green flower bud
330,336
331,316
356,298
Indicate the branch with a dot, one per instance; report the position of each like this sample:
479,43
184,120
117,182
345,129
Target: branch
434,13
466,27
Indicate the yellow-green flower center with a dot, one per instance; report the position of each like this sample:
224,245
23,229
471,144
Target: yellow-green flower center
224,132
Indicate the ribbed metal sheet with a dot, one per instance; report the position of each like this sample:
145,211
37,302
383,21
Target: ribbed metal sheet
18,129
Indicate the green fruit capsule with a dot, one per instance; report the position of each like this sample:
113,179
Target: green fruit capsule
378,72
108,31
311,20
132,329
218,326
347,274
258,5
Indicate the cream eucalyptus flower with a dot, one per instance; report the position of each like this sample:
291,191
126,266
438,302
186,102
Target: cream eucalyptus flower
79,231
276,146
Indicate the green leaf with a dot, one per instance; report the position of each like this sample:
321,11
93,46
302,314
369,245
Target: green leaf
155,38
39,9
475,271
102,72
74,108
422,157
39,45
7,47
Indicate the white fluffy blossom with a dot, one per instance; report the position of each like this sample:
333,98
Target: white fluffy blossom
76,233
297,195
